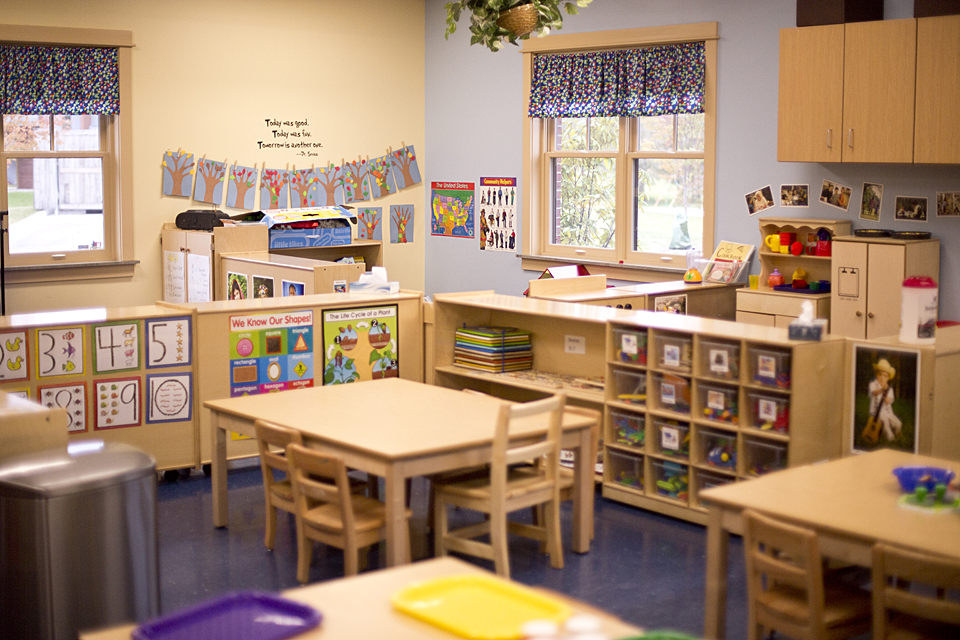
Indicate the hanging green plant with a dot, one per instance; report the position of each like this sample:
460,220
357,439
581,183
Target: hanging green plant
493,22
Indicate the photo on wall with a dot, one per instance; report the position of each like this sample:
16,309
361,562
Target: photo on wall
948,204
886,384
291,288
910,208
759,200
870,201
835,195
262,287
794,195
237,286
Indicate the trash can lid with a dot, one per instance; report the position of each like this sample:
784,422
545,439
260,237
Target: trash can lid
82,466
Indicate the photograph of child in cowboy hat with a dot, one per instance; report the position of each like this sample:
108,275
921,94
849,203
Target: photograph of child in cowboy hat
885,399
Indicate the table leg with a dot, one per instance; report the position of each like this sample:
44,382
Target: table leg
218,471
718,543
398,527
583,468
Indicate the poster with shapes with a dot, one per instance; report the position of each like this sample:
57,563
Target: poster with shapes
240,188
14,356
72,397
498,229
237,286
116,347
327,190
886,401
271,352
168,342
262,287
274,189
301,183
870,201
178,170
371,223
173,277
401,223
198,277
835,194
60,352
169,397
356,187
291,288
948,204
210,178
911,208
381,177
451,205
406,172
117,403
360,344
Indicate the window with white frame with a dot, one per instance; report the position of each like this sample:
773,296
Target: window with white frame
620,133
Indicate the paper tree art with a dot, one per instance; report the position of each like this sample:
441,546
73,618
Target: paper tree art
274,187
370,227
406,173
355,186
301,183
209,185
381,177
328,188
401,229
240,191
177,173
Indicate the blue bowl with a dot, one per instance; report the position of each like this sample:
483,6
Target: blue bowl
910,477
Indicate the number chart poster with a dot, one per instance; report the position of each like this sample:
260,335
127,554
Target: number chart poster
452,209
271,352
360,344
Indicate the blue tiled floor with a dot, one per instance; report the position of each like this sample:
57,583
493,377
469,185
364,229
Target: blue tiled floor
645,568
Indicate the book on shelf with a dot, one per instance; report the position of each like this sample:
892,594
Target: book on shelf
728,262
493,349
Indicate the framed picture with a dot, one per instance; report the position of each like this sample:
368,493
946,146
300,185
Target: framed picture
886,387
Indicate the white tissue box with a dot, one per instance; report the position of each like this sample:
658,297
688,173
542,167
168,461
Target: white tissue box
813,332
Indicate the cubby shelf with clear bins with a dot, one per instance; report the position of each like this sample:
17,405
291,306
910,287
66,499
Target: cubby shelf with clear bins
723,401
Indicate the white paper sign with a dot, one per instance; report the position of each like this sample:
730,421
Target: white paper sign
198,277
718,361
671,355
715,400
628,344
173,277
670,438
767,410
668,394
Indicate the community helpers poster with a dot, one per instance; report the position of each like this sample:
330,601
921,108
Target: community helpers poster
271,352
498,231
360,344
451,209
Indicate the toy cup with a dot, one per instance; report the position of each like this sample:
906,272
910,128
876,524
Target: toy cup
773,241
787,238
824,247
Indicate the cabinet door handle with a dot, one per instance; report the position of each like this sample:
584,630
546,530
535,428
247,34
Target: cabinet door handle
850,138
859,314
829,138
870,315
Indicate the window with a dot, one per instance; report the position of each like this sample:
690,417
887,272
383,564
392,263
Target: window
66,190
610,189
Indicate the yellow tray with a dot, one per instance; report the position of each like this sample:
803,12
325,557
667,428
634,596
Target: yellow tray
478,607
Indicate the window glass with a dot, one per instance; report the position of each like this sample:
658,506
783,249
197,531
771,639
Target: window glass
26,133
690,132
668,204
571,134
584,202
76,133
655,133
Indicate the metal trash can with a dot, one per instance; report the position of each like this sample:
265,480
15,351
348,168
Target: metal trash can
78,540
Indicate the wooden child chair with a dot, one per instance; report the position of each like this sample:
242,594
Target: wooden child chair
503,490
328,512
786,588
900,612
272,441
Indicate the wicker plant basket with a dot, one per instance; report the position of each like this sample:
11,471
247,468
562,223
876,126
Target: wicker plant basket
519,20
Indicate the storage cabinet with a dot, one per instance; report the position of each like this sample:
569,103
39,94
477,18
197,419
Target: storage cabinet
937,134
868,274
724,402
190,258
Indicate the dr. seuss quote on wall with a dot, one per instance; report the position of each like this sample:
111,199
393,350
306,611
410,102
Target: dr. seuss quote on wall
290,134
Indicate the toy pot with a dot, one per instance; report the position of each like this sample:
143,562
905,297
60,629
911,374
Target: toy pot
787,238
773,241
775,279
823,247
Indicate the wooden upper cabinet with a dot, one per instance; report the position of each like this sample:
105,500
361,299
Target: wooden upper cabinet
879,81
810,111
937,137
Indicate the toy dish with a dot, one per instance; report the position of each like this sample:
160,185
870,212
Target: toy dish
872,233
910,235
930,477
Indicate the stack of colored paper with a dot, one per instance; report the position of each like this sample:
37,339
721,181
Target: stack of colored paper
493,349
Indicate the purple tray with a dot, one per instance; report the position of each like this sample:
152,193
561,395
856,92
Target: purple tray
788,288
244,615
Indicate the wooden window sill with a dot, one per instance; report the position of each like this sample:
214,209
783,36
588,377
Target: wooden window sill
69,271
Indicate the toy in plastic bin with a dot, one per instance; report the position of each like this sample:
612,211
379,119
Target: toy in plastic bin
674,483
723,455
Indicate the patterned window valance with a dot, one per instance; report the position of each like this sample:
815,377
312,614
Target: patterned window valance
651,81
59,80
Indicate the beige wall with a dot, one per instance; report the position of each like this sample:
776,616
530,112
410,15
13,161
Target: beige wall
205,77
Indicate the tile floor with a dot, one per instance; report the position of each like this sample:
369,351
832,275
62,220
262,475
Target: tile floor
645,568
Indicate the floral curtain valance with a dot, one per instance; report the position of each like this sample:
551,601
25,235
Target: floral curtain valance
632,82
59,80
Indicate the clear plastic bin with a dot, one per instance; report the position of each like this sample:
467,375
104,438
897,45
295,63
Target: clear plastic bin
762,457
630,386
625,469
769,412
630,345
718,448
674,352
770,368
672,438
628,428
720,360
671,480
719,403
671,393
707,480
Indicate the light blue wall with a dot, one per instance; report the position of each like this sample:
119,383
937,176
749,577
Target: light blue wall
473,129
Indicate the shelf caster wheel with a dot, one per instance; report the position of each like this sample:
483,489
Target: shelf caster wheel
206,470
171,475
185,473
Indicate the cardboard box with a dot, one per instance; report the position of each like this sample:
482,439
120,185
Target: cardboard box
928,8
817,12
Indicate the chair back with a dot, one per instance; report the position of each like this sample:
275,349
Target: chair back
779,554
273,435
892,565
545,414
319,478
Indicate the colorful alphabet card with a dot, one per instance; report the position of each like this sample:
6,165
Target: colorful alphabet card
452,209
498,208
370,225
168,342
60,352
381,177
117,403
360,344
401,223
177,173
210,177
14,356
271,352
240,189
406,172
274,189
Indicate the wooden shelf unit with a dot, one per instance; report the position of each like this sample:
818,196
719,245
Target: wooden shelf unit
692,367
370,250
